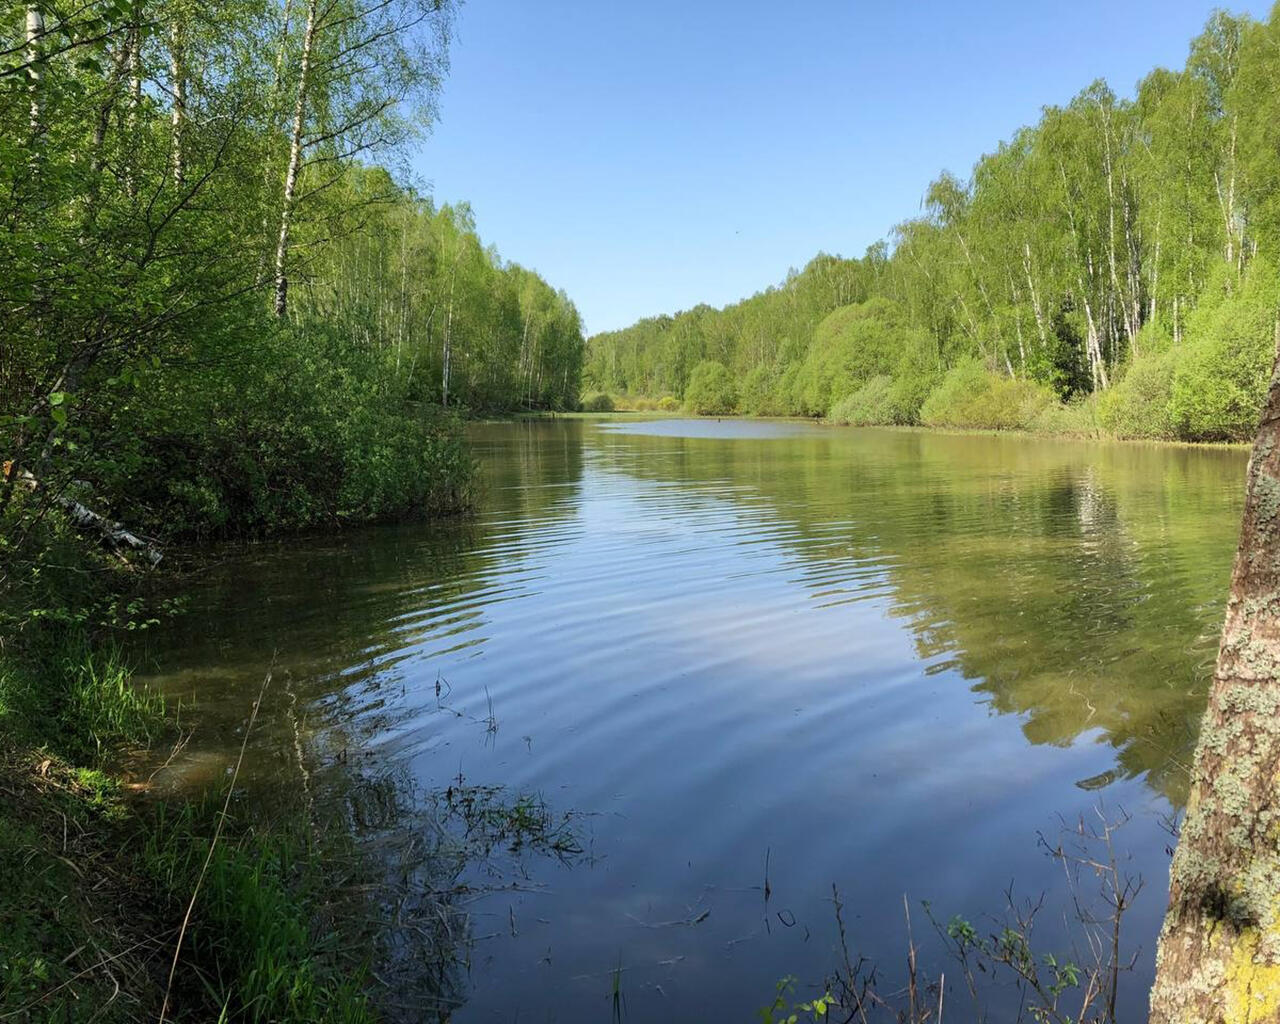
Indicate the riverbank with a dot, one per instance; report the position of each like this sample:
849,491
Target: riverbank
1067,428
119,906
134,893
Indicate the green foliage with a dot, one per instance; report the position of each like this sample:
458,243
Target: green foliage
1139,405
757,396
849,347
1076,418
1220,381
779,1012
770,330
970,396
75,700
597,401
153,369
711,391
668,403
255,950
103,706
881,400
870,404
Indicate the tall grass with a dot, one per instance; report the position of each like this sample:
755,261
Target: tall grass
257,948
77,701
104,708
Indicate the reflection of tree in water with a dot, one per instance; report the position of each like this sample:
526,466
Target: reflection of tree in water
1078,585
337,617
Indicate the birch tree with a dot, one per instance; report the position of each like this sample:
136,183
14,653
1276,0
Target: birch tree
367,73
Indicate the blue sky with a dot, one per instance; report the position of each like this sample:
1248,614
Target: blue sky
648,156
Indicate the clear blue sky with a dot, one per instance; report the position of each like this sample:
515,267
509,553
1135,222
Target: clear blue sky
648,156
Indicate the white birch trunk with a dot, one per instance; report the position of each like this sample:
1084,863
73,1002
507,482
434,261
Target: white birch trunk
135,98
295,164
178,83
35,67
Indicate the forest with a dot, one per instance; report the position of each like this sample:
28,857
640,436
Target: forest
212,283
1107,271
228,310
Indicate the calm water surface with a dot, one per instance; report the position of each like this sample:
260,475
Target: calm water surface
884,660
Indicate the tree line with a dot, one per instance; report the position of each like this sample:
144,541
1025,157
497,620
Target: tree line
224,310
1110,268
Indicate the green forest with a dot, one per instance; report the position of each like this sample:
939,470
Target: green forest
1109,270
221,314
227,310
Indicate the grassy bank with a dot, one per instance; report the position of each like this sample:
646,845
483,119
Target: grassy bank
112,902
1042,416
115,905
254,900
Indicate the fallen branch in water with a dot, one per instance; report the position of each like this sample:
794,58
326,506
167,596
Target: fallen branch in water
113,534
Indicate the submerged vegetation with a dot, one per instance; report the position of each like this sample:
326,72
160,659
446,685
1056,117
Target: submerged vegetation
1107,271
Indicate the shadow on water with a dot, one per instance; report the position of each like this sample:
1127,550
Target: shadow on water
882,659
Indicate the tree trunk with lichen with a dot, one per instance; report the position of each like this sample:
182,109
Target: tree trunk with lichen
1219,955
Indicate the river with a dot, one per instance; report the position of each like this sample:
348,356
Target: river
735,651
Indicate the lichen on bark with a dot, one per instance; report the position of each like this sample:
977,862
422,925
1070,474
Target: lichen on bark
1219,955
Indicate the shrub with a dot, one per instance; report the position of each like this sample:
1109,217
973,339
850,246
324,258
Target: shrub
756,396
597,401
870,404
290,436
786,393
1138,405
850,346
915,376
711,391
668,404
1222,373
884,400
1076,418
972,396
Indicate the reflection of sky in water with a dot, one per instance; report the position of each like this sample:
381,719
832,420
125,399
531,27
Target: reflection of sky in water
886,659
727,428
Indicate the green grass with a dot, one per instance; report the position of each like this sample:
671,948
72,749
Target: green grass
96,885
256,948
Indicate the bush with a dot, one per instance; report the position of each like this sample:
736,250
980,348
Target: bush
884,400
970,396
871,404
597,401
1138,405
755,397
787,392
1222,373
850,346
292,435
668,404
915,376
711,391
1077,418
